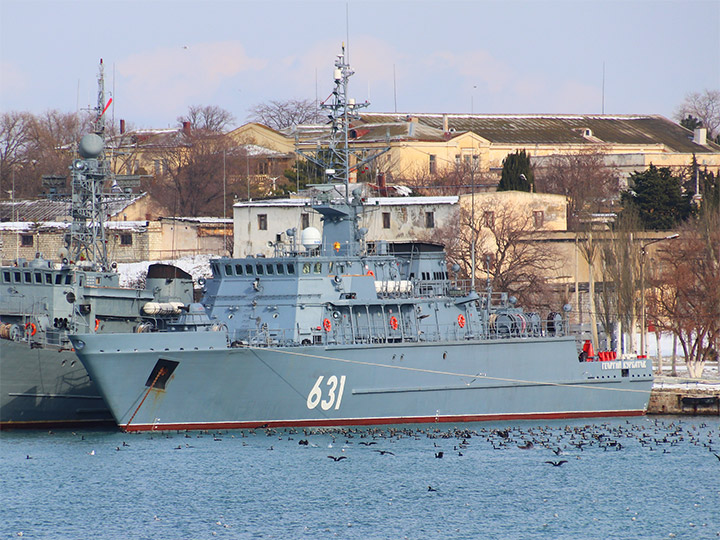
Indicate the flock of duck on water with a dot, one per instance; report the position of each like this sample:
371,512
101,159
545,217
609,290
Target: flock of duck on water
557,442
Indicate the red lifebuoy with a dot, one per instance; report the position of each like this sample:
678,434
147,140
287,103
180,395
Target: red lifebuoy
30,328
371,273
393,323
327,325
461,321
97,324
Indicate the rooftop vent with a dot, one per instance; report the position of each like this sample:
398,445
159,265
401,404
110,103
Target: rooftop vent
700,136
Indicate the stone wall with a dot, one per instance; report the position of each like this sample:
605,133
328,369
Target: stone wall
701,402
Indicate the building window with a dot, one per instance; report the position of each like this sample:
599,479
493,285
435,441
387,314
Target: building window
433,164
126,240
263,167
429,220
386,220
26,240
304,221
489,219
539,218
262,222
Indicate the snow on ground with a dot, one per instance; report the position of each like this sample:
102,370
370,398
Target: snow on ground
197,266
710,379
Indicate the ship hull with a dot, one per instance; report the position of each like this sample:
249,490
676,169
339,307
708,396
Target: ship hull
46,387
210,386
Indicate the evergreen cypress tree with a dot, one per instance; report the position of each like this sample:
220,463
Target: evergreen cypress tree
516,173
657,197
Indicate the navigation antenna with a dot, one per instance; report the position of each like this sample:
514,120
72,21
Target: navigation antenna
334,154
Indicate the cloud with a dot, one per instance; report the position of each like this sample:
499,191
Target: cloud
166,80
476,68
13,80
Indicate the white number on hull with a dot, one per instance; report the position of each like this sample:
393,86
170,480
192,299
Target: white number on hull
334,393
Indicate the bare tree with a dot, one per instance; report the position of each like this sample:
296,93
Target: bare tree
31,146
15,141
520,262
685,298
621,261
589,249
283,114
210,118
583,178
458,178
192,182
705,106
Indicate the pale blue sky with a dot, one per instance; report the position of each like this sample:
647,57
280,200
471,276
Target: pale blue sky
492,57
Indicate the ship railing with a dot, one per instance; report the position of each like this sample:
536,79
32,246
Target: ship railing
284,249
51,338
263,337
433,333
412,332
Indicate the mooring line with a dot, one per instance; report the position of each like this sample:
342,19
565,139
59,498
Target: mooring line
438,372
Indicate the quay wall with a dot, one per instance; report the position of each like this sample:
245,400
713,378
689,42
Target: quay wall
703,400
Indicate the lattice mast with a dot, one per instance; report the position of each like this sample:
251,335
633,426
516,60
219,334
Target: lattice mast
334,155
90,173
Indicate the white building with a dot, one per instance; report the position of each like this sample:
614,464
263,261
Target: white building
258,223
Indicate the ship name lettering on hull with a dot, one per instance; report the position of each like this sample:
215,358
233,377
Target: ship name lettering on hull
632,364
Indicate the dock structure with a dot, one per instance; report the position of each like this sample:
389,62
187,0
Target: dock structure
692,397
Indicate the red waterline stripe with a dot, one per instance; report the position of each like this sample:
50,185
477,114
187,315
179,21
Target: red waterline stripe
377,421
55,424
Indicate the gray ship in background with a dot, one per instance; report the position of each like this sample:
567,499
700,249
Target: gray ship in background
42,383
335,330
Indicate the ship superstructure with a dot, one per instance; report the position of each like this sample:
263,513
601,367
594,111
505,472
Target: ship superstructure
334,329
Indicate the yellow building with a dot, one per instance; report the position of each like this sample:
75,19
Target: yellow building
428,144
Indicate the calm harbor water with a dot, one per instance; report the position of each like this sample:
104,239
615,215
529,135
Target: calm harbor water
654,477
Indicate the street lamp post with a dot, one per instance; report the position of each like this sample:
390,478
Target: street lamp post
643,252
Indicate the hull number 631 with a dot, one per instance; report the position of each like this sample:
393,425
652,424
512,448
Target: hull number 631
328,394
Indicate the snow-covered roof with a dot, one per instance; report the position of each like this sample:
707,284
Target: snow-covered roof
213,220
32,226
54,210
370,201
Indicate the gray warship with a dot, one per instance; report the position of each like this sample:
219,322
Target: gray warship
42,383
335,330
